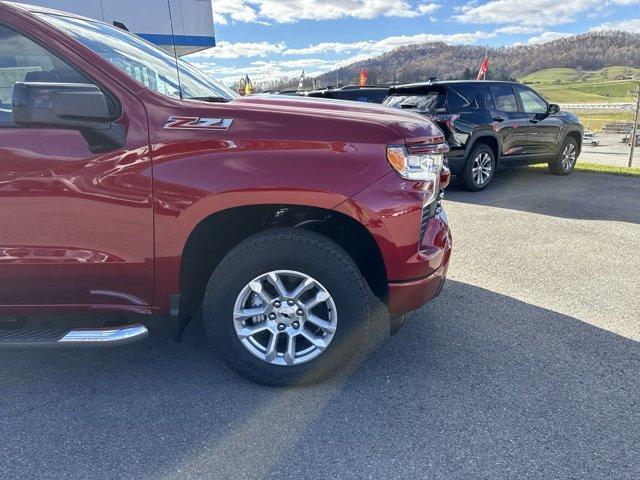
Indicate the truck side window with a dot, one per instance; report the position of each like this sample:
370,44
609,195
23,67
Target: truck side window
504,98
22,60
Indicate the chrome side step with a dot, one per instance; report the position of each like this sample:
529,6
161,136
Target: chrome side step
106,336
111,336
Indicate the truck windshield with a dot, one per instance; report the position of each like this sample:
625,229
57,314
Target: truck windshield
146,63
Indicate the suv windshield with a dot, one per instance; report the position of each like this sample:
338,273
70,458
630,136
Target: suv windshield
144,62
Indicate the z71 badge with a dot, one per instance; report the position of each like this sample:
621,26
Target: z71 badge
198,123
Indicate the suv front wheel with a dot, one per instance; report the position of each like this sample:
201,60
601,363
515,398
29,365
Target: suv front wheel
479,169
567,157
287,307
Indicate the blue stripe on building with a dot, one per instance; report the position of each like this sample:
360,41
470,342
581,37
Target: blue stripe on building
187,40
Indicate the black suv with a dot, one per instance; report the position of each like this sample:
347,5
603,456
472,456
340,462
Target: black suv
368,94
488,123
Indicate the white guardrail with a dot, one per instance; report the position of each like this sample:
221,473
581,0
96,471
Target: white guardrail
597,106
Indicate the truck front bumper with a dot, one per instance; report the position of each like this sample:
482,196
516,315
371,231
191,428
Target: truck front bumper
434,253
414,239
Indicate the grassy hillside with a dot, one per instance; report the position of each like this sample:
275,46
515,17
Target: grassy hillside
570,85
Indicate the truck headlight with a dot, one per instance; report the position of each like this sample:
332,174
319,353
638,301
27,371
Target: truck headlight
423,163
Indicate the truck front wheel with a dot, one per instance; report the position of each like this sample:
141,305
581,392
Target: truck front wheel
287,307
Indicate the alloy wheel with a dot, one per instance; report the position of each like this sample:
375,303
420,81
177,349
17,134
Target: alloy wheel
285,317
569,157
481,169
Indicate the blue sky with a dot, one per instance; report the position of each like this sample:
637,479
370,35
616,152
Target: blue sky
269,39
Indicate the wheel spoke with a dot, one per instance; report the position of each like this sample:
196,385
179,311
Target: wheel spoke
304,286
276,282
258,289
271,352
250,331
247,313
290,353
321,323
317,300
316,341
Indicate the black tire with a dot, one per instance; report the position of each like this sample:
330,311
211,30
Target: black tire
561,167
296,250
479,155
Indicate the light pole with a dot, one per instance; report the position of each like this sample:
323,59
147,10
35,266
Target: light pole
634,130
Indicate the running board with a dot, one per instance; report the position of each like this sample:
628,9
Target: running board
106,336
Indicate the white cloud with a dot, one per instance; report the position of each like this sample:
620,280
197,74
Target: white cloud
532,13
241,49
389,43
326,47
289,11
631,25
363,49
518,30
547,37
236,10
428,8
302,63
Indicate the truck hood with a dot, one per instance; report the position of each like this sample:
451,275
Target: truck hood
409,127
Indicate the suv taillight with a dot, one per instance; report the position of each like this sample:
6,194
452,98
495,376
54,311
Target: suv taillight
446,118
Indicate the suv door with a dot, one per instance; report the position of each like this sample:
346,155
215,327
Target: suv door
76,228
509,122
543,132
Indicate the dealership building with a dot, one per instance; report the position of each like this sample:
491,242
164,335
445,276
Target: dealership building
185,24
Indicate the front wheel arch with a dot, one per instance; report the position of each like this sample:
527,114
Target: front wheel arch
205,248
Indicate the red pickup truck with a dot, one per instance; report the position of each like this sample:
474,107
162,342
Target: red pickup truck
132,184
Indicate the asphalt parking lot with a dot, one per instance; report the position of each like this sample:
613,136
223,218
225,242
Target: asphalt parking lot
526,366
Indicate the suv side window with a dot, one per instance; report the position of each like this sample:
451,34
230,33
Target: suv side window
531,102
463,95
504,98
22,60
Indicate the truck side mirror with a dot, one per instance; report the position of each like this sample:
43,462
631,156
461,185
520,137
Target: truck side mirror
69,106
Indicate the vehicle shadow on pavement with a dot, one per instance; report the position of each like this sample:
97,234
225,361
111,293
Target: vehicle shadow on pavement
477,385
583,196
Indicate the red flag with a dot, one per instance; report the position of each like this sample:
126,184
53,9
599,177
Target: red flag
482,73
363,77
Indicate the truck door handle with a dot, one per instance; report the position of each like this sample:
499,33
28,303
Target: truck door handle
498,119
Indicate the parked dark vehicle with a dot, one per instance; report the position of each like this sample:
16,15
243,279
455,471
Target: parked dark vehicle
132,186
487,123
369,94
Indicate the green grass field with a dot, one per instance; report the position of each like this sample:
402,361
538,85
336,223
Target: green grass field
569,85
595,121
598,168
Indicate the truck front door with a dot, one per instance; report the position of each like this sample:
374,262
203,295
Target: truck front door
76,228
